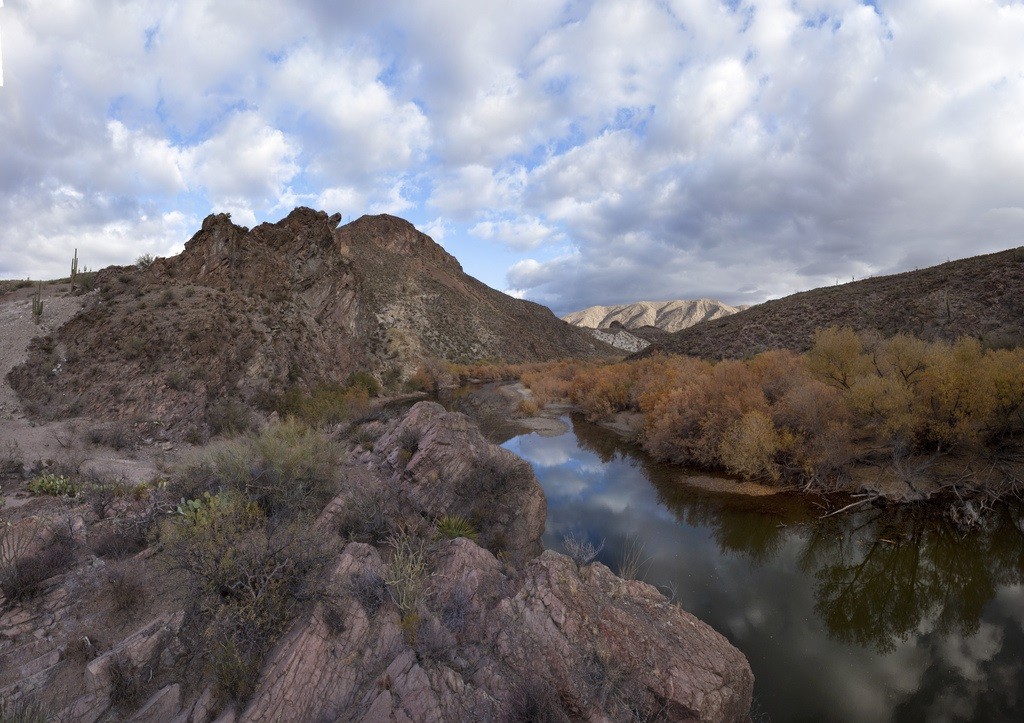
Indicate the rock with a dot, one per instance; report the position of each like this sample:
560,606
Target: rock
161,707
489,644
441,464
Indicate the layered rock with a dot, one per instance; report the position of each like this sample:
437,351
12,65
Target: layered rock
575,644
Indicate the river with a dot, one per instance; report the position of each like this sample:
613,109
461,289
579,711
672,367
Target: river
868,616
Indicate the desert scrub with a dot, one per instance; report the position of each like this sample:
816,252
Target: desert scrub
288,470
326,404
455,526
230,417
22,570
54,485
248,579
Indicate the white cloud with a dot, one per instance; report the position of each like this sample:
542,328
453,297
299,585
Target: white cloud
676,148
519,233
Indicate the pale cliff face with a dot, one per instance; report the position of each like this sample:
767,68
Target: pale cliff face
667,315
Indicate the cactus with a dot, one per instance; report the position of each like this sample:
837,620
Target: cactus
74,269
37,304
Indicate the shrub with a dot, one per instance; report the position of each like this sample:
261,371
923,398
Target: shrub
127,681
369,589
145,261
116,436
22,573
454,526
287,469
119,543
133,346
127,593
364,516
248,578
54,485
581,550
11,460
326,404
406,571
230,417
364,380
750,445
528,407
837,356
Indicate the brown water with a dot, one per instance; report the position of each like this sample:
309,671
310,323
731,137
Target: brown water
873,616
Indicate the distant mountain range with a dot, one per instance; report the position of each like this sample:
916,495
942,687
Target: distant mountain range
668,316
980,297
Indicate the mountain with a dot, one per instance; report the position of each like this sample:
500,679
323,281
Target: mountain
249,314
667,315
982,297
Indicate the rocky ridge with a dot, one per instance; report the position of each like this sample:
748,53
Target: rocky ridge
248,313
980,297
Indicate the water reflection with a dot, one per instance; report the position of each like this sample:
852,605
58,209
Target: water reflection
871,616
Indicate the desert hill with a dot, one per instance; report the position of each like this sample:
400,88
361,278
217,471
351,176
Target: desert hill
982,297
666,315
247,314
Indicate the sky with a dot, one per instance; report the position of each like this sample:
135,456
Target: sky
572,153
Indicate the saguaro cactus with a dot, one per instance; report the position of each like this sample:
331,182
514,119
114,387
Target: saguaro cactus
74,270
37,304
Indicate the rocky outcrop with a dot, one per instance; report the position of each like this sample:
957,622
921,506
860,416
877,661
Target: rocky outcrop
505,633
442,465
667,315
249,313
494,644
620,339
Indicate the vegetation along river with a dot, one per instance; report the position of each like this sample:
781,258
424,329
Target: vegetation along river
867,616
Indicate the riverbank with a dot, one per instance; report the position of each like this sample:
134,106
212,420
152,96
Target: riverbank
962,489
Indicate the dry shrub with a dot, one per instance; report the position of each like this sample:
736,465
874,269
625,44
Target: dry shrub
230,417
750,445
127,682
127,592
688,424
528,408
22,571
119,542
248,579
837,356
369,589
326,404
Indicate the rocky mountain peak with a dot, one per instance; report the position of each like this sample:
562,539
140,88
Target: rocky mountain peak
393,234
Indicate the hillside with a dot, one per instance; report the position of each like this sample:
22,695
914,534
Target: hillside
982,296
666,315
248,314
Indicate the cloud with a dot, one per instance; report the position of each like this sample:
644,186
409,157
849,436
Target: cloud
601,152
519,233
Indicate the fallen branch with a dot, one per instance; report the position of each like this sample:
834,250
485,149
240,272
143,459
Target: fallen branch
852,504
